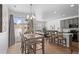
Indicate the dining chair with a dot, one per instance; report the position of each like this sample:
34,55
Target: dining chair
38,44
31,45
22,43
61,39
55,37
49,36
26,45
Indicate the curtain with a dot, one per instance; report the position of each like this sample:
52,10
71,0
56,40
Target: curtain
0,18
11,31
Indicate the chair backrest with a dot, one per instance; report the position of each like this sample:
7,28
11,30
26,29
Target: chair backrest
60,35
56,33
22,37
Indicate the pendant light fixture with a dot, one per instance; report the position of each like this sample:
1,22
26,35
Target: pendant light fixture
31,14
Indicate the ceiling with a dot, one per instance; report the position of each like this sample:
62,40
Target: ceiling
47,11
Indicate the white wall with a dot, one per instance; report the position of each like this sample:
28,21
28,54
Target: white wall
17,14
52,23
40,25
3,42
4,34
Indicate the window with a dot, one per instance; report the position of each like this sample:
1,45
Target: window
18,20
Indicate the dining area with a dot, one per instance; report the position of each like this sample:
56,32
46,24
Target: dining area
44,42
39,29
37,35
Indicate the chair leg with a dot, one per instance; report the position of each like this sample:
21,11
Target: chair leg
34,48
58,42
43,46
49,40
65,42
43,49
25,48
54,40
22,48
28,49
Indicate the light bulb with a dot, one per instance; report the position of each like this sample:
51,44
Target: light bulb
27,16
31,17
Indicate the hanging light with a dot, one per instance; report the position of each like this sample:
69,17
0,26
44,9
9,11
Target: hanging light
31,15
27,16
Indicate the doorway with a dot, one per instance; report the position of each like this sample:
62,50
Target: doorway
18,21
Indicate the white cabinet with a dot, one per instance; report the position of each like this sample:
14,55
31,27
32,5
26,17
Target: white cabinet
75,21
70,21
65,23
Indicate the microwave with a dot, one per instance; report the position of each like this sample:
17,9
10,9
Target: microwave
73,25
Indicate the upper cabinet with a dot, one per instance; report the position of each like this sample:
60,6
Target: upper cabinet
62,24
66,24
69,23
75,21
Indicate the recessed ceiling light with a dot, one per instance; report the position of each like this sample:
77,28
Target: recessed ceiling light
72,5
55,12
63,15
14,5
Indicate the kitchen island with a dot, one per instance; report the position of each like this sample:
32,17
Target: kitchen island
68,37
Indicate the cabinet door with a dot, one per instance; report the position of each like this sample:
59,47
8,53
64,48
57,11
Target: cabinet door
62,24
75,21
70,21
66,24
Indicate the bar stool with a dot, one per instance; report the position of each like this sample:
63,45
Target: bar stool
61,39
49,36
53,37
56,37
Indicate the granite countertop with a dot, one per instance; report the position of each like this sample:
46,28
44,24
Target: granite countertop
67,33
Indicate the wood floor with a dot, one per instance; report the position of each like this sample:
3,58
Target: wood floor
49,49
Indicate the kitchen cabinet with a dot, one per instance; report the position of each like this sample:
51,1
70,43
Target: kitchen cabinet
75,21
66,24
62,24
70,21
